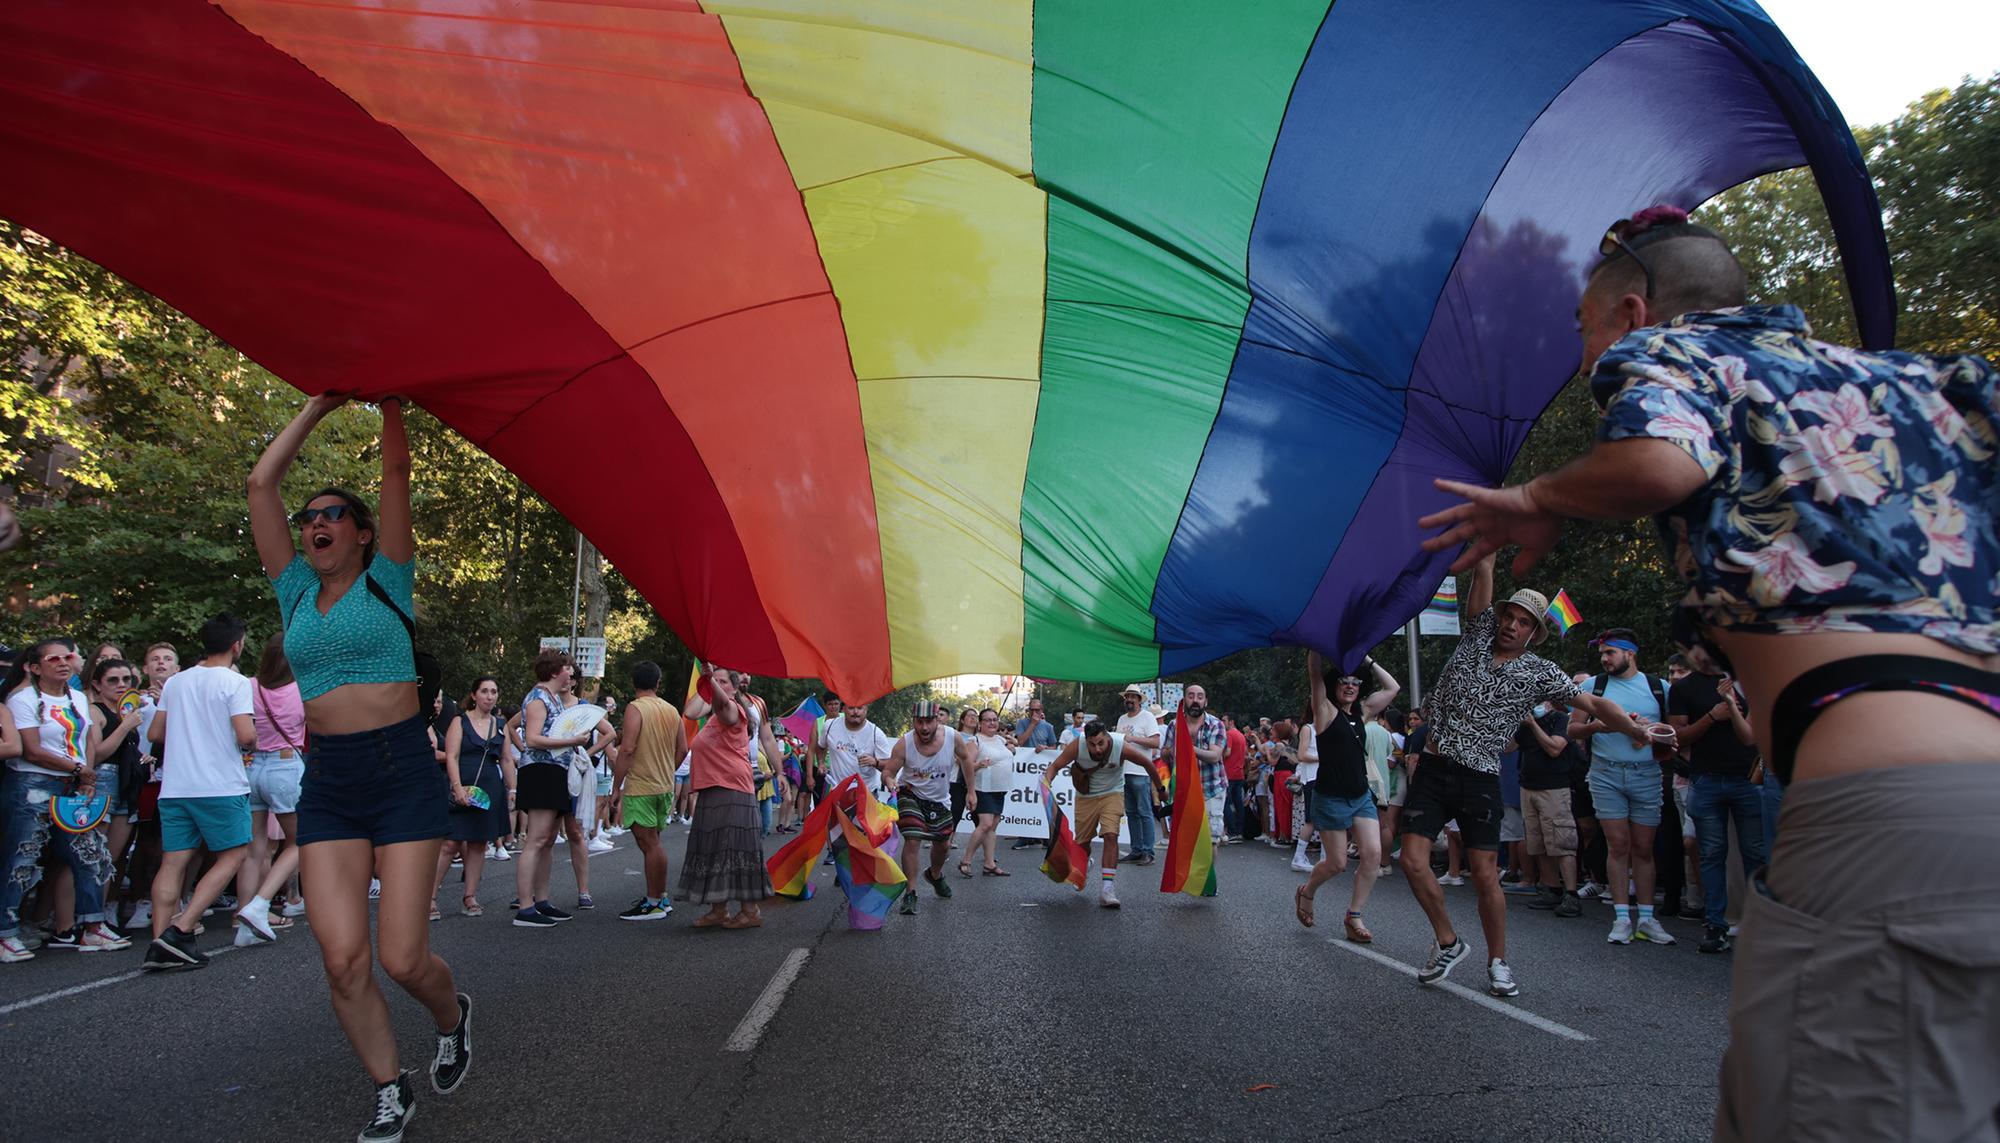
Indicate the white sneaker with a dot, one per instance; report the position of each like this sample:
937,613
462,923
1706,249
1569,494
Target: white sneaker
562,839
1650,929
1621,930
246,936
1107,896
1449,879
1500,979
13,950
142,917
295,908
599,845
503,854
1387,868
1732,930
1301,865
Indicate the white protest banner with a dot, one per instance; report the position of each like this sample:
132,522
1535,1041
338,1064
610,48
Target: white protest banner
1023,816
1440,615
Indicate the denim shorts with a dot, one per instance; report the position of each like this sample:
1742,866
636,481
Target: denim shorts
382,785
274,781
1622,790
1331,813
107,781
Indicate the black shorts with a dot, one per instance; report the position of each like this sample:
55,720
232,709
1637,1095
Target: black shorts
989,802
1580,805
382,785
543,786
1443,790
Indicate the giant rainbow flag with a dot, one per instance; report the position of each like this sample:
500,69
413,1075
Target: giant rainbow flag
959,332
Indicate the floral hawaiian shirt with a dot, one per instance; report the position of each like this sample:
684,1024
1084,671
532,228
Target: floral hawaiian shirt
1847,490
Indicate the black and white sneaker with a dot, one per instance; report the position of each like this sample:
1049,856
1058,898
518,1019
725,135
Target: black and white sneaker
454,1051
395,1106
548,909
174,949
533,918
1443,960
70,938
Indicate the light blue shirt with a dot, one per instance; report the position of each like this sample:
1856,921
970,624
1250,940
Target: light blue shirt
1635,695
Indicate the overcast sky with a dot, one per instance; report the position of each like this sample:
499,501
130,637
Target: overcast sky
1876,57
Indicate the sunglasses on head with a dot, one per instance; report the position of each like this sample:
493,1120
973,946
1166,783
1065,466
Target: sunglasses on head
1614,243
332,514
1350,681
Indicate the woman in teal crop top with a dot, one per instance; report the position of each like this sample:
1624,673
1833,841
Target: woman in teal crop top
374,801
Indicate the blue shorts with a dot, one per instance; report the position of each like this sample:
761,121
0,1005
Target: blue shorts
274,781
108,782
1329,812
383,786
219,823
1627,791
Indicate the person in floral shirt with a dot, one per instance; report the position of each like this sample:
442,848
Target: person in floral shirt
1833,512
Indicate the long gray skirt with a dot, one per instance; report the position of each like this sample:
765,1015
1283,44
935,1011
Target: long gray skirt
725,850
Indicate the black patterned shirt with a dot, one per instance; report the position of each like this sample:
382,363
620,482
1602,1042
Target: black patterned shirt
1478,704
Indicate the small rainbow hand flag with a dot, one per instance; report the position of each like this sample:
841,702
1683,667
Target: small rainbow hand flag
1563,613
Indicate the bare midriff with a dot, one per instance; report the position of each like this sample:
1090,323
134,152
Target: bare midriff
353,707
1868,731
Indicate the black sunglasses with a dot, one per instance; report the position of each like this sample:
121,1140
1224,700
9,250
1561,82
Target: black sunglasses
1614,243
332,513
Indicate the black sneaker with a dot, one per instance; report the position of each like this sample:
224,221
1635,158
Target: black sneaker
907,904
938,883
1545,898
454,1051
1443,960
395,1106
1511,877
71,939
533,918
1569,906
1715,939
548,909
178,949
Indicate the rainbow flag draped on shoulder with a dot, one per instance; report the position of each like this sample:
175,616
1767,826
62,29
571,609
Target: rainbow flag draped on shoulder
864,854
1190,864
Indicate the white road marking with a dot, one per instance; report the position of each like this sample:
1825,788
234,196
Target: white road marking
1477,997
751,1029
78,989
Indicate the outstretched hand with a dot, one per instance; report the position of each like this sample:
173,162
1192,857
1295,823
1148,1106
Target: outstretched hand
320,404
1491,519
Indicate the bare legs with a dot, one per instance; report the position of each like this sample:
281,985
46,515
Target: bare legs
338,873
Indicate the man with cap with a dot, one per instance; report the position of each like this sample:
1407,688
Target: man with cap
1139,728
1490,683
1625,784
922,764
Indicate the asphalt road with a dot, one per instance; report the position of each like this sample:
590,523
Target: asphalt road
1016,1010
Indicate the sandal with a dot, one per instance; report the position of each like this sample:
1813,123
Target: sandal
744,920
1357,931
280,921
995,871
1302,903
965,869
710,920
472,908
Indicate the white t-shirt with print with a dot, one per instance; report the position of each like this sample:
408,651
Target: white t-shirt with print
203,758
845,748
60,724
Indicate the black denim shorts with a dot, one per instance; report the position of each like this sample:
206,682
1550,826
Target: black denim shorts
384,785
1442,791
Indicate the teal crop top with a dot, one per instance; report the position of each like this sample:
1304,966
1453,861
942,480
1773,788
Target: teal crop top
360,639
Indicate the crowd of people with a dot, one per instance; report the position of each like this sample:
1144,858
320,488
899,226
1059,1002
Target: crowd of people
1832,511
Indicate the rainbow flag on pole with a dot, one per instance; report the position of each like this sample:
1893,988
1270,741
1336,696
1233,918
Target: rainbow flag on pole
1563,613
1190,865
